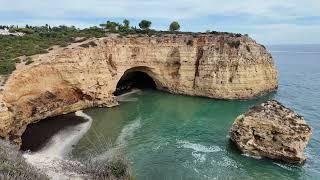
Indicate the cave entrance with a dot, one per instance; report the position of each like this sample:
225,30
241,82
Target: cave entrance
134,79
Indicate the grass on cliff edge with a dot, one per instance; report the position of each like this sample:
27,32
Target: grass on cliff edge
14,166
108,169
39,42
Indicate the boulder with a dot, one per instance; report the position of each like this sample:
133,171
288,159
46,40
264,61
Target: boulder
273,131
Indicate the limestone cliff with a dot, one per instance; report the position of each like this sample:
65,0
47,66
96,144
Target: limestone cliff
223,66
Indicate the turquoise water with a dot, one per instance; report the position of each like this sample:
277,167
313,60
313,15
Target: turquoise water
168,136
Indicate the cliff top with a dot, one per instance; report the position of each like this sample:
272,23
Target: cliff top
39,40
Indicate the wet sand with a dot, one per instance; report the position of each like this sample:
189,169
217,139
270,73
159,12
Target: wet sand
38,135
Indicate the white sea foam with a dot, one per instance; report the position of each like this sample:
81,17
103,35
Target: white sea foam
287,167
252,156
227,162
160,145
199,147
49,158
200,157
126,133
126,97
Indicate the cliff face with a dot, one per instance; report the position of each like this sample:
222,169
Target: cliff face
86,74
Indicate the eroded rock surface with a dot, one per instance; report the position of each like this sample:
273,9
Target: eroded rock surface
85,74
273,131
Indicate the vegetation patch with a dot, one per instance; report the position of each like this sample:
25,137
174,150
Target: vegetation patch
28,61
92,168
234,44
7,66
38,41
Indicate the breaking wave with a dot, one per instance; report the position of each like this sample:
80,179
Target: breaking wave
252,156
126,97
126,133
49,158
199,147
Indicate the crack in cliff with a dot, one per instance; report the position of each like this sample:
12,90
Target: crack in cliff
111,66
197,64
173,61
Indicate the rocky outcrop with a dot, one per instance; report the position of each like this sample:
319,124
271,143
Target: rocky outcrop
85,74
273,131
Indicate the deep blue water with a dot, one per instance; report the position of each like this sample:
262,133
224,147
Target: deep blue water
168,136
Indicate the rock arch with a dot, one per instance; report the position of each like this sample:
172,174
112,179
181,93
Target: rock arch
137,77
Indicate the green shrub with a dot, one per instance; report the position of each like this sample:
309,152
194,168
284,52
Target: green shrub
234,44
28,61
17,60
145,24
91,168
174,26
7,66
22,30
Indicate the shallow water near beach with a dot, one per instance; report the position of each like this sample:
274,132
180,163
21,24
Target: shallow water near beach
167,136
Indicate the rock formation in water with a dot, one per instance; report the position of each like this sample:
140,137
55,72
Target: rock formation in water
273,131
85,74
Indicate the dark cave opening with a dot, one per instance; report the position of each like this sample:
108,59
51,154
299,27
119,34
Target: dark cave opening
135,79
38,135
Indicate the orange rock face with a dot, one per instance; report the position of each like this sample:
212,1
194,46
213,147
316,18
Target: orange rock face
223,66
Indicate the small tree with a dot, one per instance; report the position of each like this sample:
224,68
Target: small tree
110,26
145,24
126,23
174,26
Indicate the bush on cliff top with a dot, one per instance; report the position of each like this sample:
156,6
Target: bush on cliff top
110,169
14,166
38,42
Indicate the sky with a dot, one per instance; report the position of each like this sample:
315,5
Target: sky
267,21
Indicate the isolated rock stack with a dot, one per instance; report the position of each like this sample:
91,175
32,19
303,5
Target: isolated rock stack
273,131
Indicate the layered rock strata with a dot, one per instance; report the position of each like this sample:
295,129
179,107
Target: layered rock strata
273,131
85,74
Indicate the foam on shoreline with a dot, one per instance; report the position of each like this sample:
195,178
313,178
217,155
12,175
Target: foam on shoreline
49,158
